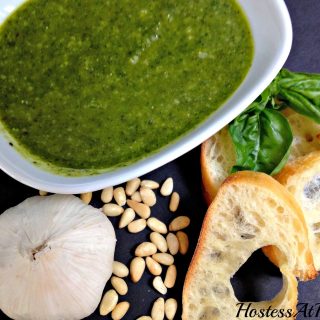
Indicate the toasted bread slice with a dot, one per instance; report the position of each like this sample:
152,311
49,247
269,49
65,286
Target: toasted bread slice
218,153
251,210
216,159
302,178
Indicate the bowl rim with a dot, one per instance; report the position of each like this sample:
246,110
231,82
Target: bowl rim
23,171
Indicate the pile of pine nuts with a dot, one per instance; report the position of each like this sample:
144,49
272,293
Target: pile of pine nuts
165,242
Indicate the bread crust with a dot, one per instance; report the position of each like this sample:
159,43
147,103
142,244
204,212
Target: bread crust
208,186
295,176
298,166
260,180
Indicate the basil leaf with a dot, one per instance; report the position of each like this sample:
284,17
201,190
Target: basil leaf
299,91
262,140
260,103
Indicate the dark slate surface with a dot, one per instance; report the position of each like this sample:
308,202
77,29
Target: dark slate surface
258,279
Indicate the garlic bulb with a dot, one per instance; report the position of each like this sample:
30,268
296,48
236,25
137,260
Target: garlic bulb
56,255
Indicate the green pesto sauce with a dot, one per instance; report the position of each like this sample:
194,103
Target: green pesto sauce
98,84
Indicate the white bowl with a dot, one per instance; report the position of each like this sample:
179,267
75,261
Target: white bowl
272,32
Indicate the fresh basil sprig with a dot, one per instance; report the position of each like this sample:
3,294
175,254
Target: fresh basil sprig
299,91
261,135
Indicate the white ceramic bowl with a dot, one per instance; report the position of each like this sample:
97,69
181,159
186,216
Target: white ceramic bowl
272,32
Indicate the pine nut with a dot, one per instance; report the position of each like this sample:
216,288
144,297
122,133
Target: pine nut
120,196
150,184
86,197
170,308
107,195
137,225
140,208
127,217
145,249
173,243
148,196
137,267
159,285
156,225
183,242
132,186
112,210
167,187
136,197
157,311
179,223
144,318
159,240
171,276
43,193
153,266
163,258
119,285
119,269
108,302
120,310
174,202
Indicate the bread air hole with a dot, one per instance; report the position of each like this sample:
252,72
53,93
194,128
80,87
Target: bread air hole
257,280
316,228
280,209
220,159
309,137
215,256
192,307
272,203
211,313
217,289
245,229
312,189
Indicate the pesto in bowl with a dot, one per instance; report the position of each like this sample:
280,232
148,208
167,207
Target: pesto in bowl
92,85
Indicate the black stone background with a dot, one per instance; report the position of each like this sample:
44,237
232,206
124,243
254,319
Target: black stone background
258,279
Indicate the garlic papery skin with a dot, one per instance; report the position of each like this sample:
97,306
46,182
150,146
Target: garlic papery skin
56,255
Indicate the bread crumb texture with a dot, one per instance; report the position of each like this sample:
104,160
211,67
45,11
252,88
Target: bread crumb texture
250,211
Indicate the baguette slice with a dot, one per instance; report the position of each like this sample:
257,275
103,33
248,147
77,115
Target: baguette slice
218,153
251,211
302,178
